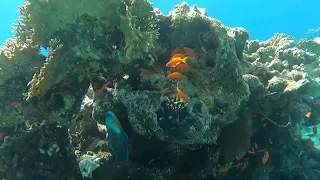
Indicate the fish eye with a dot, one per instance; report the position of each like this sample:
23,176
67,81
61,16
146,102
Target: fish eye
108,114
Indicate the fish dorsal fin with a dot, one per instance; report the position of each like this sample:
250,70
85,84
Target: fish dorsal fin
179,92
113,123
117,122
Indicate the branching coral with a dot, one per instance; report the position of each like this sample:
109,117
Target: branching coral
24,32
50,74
16,58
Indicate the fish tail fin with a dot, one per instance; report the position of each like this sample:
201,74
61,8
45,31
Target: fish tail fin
178,90
126,149
120,146
184,60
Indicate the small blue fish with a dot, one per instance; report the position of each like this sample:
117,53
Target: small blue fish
117,137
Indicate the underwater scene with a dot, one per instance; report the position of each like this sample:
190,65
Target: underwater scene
116,90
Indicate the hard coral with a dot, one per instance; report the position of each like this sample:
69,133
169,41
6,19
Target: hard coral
237,90
18,59
210,35
45,80
139,25
235,139
47,17
44,147
151,117
135,19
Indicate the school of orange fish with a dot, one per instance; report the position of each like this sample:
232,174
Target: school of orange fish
242,164
178,63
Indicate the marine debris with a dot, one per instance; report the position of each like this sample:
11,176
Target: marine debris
126,92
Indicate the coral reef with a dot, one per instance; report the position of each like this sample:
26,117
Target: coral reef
132,25
41,147
240,109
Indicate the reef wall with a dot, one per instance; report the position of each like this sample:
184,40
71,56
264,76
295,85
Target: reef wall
196,99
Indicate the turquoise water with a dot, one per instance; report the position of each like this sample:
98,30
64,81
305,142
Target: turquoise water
308,134
261,18
8,14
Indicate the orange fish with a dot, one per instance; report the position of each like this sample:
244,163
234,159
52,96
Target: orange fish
164,92
145,71
2,134
179,55
104,85
64,82
50,53
175,61
310,144
308,114
182,95
291,108
265,157
82,69
175,75
176,51
190,52
315,130
16,104
223,171
183,67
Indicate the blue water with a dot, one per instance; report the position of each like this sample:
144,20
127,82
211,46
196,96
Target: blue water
261,18
8,15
